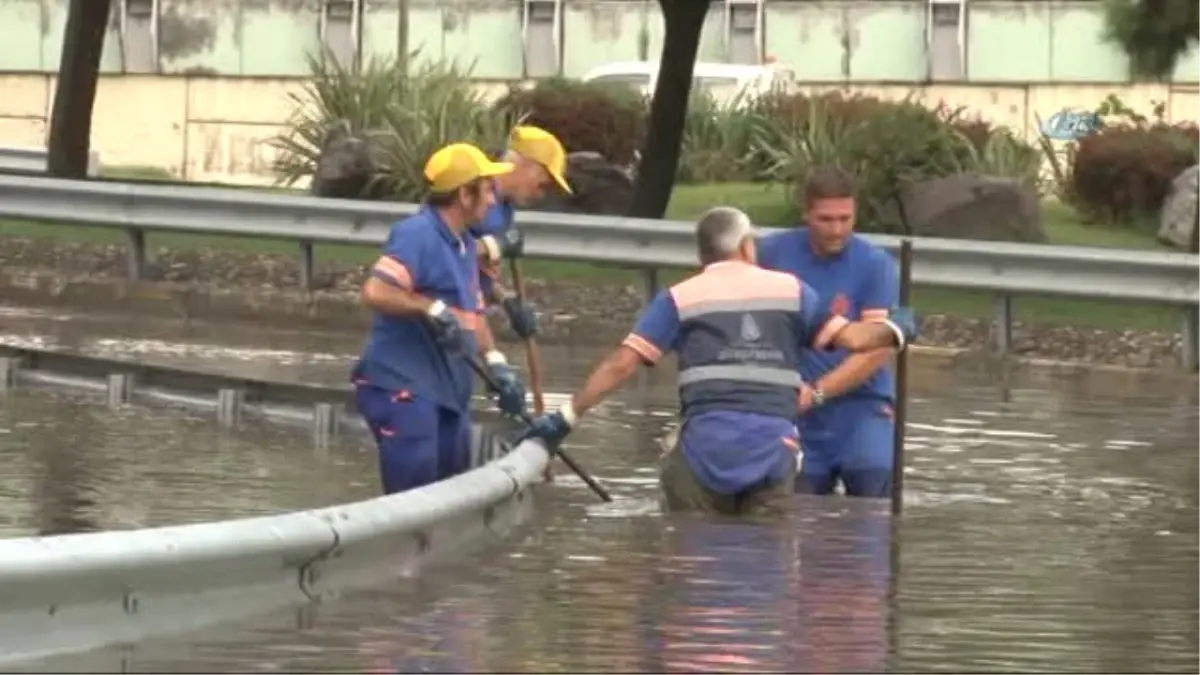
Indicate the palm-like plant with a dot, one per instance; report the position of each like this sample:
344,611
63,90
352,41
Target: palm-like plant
402,109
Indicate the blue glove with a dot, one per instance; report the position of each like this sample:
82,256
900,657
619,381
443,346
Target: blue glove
520,317
507,244
904,323
447,332
551,428
510,393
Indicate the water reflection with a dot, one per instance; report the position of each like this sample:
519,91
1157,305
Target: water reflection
808,594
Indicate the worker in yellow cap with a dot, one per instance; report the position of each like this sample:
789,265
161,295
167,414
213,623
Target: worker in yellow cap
413,384
539,164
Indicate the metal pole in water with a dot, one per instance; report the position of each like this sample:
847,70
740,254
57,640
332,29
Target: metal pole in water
901,407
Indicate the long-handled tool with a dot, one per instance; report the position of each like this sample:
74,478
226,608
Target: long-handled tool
525,417
533,357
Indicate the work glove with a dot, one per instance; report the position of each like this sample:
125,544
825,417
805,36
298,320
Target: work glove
551,428
508,244
510,393
904,324
447,332
520,317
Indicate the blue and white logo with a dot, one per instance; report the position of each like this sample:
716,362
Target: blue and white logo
1071,125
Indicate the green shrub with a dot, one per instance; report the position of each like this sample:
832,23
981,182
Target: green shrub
886,144
404,114
718,140
607,119
1123,173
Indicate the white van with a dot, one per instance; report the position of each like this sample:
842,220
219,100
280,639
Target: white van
723,80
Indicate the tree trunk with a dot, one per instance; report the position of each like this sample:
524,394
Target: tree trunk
684,20
75,95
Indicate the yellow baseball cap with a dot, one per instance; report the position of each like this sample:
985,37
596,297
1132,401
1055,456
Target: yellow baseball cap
542,147
458,164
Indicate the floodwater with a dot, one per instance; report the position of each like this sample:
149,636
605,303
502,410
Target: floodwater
1050,525
71,465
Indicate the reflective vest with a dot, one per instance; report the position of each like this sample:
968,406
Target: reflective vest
739,341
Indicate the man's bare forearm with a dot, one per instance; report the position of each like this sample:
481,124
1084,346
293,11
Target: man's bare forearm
388,299
862,336
854,371
483,335
607,377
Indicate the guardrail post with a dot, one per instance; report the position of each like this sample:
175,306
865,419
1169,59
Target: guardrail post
229,406
137,253
1002,321
8,372
307,262
652,283
325,420
120,388
1190,353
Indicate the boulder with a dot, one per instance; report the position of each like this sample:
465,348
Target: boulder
600,187
1177,219
970,206
344,168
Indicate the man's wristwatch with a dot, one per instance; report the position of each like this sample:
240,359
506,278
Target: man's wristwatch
818,396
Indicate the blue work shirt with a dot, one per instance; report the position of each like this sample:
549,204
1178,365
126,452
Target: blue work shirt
495,223
729,451
423,255
860,282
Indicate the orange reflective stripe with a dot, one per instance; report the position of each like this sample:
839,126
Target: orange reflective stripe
832,327
643,347
394,270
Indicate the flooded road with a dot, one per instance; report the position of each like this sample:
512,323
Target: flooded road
71,465
1050,525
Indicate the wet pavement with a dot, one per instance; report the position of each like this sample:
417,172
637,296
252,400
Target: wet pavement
1050,525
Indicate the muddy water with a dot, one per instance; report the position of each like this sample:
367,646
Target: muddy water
1051,525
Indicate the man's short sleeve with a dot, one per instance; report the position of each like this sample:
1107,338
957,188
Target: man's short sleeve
881,288
818,325
400,264
656,329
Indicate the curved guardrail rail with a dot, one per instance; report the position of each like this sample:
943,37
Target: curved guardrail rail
85,591
1002,268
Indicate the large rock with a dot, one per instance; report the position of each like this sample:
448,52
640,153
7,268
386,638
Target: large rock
1177,219
971,206
344,168
600,187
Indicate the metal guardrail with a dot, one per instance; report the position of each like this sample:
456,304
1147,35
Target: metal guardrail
1002,268
33,160
84,591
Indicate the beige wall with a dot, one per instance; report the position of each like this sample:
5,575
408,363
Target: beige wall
213,129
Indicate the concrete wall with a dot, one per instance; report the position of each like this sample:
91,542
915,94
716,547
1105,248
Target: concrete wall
196,86
840,40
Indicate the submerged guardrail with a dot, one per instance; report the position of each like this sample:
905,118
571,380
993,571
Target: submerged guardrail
84,591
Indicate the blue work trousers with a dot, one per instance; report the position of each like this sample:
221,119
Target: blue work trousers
419,441
850,440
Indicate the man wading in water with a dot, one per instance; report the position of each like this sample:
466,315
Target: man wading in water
738,331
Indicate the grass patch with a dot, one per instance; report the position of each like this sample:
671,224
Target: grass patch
766,204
